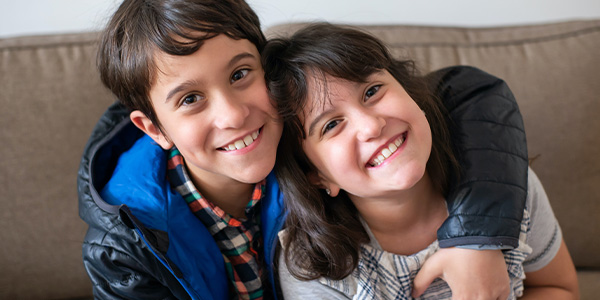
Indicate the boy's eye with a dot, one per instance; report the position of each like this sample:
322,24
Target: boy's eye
239,75
330,125
371,92
191,99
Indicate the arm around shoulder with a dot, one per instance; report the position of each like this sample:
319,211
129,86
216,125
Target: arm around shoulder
488,135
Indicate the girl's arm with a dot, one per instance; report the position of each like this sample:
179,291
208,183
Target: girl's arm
557,280
549,269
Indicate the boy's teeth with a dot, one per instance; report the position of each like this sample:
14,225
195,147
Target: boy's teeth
387,152
243,143
248,140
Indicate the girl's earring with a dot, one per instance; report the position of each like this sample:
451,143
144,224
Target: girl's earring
328,191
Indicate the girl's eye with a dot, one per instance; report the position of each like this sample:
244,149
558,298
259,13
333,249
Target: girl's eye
372,91
191,99
330,125
239,75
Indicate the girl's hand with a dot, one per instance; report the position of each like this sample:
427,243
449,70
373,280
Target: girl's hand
471,274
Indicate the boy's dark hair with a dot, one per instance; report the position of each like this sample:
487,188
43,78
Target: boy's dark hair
140,28
324,233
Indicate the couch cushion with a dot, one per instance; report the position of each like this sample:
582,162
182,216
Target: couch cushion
553,72
51,97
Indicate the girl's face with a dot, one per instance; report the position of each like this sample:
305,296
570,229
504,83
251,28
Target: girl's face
370,139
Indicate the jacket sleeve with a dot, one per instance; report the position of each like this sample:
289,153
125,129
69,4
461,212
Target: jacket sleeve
118,262
115,273
486,127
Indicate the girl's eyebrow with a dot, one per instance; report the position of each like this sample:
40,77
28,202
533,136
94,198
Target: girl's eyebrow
314,123
239,57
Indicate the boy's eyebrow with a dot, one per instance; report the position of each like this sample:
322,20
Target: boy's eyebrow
187,83
179,88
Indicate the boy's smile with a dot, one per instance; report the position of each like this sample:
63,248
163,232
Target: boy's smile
243,143
214,107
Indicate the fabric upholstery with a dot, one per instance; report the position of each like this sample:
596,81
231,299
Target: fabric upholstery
50,98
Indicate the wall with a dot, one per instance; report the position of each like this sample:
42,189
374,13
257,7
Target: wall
55,16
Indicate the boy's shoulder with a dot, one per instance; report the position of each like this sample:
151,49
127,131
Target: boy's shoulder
140,173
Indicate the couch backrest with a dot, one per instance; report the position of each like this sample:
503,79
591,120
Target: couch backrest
50,99
553,70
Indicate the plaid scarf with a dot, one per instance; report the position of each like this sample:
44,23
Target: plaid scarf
239,240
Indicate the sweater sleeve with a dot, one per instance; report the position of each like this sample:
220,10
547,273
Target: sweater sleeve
545,235
486,127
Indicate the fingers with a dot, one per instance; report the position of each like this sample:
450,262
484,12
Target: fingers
505,294
470,274
428,273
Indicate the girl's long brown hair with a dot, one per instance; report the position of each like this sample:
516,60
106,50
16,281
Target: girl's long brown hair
324,233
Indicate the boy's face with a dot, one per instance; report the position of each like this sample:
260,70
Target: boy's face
214,106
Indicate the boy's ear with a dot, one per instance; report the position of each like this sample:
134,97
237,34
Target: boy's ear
320,181
141,121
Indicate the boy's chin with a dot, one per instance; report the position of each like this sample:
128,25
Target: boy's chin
256,175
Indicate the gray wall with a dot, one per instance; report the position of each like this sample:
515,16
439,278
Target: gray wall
18,17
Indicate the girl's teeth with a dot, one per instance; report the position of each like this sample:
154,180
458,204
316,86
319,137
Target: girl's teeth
387,152
243,143
239,144
393,147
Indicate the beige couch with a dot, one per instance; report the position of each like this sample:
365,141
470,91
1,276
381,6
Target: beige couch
51,97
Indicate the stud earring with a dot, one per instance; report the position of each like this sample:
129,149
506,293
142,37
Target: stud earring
328,191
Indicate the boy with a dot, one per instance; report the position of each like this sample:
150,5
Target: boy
175,181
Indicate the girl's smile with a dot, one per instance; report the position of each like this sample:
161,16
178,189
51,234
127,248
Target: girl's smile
388,151
370,139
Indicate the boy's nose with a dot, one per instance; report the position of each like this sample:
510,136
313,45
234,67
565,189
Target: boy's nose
369,125
231,113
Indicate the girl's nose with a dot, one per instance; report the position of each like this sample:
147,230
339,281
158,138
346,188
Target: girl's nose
369,125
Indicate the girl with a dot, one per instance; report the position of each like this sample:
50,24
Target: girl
368,165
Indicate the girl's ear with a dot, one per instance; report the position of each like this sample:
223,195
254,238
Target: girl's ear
316,178
141,121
